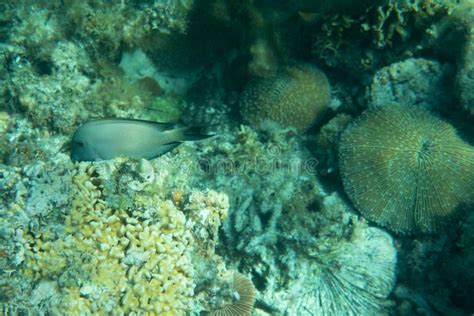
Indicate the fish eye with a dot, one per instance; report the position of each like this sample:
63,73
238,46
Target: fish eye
79,143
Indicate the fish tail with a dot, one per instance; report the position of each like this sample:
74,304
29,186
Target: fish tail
195,133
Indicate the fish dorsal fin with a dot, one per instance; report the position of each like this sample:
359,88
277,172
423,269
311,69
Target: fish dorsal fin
161,126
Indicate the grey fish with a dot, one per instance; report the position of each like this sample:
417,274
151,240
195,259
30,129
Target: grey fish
104,139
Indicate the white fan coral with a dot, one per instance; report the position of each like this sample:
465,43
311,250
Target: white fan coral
354,279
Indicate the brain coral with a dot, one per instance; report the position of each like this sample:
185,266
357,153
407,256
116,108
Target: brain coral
296,96
404,168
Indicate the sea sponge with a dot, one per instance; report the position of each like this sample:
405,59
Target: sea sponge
405,168
296,96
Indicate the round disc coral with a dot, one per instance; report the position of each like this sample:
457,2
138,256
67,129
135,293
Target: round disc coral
296,97
354,279
405,168
243,304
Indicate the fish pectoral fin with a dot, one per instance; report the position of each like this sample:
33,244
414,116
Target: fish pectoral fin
168,147
163,149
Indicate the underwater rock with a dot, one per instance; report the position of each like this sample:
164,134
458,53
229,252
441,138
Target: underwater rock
51,190
464,17
295,97
405,169
4,125
166,109
327,139
336,6
457,271
108,26
138,66
271,36
37,31
169,16
414,82
56,100
27,145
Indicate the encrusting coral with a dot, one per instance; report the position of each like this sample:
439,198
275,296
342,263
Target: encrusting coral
296,96
412,82
405,169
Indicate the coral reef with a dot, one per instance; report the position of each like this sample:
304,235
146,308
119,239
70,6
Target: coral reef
106,26
283,226
413,82
384,33
37,32
297,96
464,18
167,16
53,90
255,220
104,251
27,144
396,160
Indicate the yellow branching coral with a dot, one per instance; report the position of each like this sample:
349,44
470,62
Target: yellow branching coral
128,264
134,257
405,169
